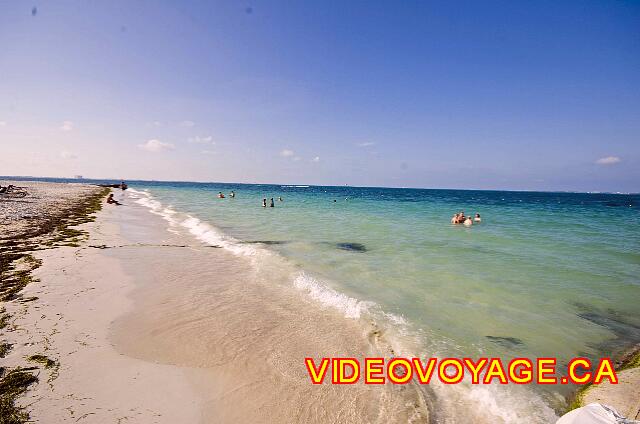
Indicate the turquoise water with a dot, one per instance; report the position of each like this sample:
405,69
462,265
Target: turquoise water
544,274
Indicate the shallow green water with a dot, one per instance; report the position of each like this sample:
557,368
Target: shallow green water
544,274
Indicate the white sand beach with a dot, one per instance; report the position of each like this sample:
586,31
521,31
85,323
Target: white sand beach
145,325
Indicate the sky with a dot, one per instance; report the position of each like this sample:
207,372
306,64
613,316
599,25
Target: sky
519,95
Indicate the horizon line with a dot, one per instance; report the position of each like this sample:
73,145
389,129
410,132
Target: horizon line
71,179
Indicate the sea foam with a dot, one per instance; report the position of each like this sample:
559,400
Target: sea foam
352,308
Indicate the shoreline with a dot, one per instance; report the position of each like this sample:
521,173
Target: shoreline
103,353
246,330
118,313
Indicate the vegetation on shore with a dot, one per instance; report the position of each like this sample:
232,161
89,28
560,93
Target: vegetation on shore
13,383
630,359
16,267
5,348
48,363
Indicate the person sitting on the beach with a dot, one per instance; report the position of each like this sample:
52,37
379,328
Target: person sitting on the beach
220,195
477,218
271,204
111,200
468,222
233,194
264,203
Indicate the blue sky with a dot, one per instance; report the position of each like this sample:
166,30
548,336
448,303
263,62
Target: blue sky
498,95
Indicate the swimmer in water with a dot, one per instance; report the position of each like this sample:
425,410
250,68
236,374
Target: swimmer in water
264,203
477,218
220,195
468,222
280,199
232,194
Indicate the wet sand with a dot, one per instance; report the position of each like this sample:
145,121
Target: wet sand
243,336
145,325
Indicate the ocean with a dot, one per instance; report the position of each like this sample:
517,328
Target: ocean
543,274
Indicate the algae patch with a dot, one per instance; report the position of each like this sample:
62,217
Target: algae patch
13,383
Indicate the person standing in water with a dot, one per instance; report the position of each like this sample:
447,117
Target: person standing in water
220,195
468,222
264,203
232,194
280,199
271,203
477,218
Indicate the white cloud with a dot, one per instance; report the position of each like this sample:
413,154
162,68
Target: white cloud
66,126
366,144
68,155
156,146
3,123
316,159
202,140
187,124
296,158
286,153
608,160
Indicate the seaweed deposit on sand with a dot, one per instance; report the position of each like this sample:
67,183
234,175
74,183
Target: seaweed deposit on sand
41,220
622,396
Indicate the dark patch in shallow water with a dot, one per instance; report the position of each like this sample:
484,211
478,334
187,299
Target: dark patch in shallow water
352,247
508,342
614,323
627,203
626,333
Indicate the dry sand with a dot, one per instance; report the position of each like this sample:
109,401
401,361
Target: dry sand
624,396
45,201
80,292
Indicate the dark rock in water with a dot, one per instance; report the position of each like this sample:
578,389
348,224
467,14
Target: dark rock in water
508,342
352,247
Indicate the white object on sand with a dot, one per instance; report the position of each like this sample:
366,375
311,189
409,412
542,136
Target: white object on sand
594,413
